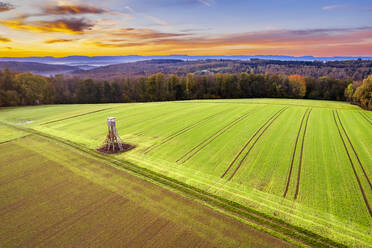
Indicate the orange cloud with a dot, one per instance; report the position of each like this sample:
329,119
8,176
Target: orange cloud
66,8
144,34
4,40
292,42
72,26
53,41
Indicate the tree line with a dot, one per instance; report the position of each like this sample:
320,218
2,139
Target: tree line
29,89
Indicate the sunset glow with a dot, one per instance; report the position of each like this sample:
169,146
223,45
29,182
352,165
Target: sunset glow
193,27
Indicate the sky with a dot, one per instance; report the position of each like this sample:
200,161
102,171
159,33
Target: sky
193,27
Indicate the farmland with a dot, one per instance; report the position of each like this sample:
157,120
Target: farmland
306,163
53,196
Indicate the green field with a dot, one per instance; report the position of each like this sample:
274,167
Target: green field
306,162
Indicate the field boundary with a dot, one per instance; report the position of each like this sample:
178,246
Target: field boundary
293,155
7,141
266,125
353,167
301,155
267,103
179,132
212,137
266,223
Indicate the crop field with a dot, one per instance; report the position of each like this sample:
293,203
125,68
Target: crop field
53,196
305,162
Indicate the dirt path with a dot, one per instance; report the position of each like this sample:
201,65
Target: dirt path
301,155
353,167
355,152
293,155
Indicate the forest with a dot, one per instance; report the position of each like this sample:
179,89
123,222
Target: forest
30,89
355,69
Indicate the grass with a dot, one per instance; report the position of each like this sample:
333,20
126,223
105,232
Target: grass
196,141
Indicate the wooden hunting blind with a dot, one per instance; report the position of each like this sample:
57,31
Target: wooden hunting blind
113,143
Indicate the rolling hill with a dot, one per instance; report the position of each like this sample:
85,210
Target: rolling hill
37,68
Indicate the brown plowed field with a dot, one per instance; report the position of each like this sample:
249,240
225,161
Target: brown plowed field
76,201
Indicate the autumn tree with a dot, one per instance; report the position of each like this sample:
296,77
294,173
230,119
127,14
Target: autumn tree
297,86
33,89
349,91
363,94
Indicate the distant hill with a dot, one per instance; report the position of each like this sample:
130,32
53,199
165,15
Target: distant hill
85,62
355,69
37,68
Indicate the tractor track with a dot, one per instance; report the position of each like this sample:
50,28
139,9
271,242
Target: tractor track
301,155
353,167
212,137
293,155
235,210
254,143
265,127
356,154
179,132
245,145
365,117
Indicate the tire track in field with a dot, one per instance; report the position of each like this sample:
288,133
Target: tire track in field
353,167
365,117
269,123
301,155
179,132
352,146
212,137
246,144
293,155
